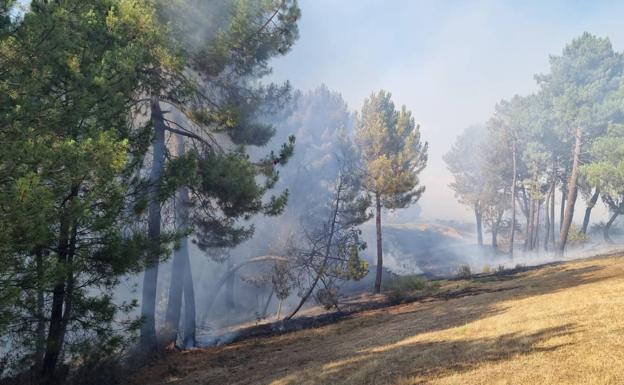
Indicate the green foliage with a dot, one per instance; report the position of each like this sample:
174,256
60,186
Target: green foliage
607,169
391,151
576,236
71,73
401,288
224,49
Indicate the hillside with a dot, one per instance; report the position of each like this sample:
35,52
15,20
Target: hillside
558,324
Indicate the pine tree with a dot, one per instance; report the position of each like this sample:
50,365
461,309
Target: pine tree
392,155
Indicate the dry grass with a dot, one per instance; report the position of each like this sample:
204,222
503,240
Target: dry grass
557,325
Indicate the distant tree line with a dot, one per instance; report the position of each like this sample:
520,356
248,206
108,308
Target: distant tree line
565,139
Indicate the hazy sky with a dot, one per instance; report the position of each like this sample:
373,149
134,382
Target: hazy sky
447,61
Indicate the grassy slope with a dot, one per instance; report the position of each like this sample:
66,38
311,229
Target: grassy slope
556,325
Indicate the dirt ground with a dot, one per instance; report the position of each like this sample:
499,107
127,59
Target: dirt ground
561,324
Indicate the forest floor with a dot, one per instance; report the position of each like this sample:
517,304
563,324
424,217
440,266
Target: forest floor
558,324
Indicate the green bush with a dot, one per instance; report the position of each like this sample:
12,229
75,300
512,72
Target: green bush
402,287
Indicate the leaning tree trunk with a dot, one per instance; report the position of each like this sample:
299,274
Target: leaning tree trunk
588,210
564,192
178,265
150,277
479,220
572,192
513,201
379,249
607,227
321,270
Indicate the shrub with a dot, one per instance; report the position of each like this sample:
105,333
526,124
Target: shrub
401,287
486,269
464,272
500,269
327,297
576,236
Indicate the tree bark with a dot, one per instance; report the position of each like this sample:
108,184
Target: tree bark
513,200
549,214
572,192
552,216
562,206
180,259
537,225
588,210
528,239
150,277
495,229
379,248
62,295
607,227
189,301
41,323
479,220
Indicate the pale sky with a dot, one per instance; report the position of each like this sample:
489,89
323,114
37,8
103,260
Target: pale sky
447,61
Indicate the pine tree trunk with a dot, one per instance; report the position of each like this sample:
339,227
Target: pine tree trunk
572,192
547,218
537,226
479,220
62,294
528,239
150,277
588,210
513,201
379,249
562,207
189,300
607,227
41,323
180,259
549,212
552,214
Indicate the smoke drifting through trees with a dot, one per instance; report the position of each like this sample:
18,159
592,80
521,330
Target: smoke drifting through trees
557,139
152,144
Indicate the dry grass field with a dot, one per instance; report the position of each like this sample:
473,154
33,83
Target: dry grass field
560,324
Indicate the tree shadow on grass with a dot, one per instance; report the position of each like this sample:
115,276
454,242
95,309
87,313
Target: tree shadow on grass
386,345
415,362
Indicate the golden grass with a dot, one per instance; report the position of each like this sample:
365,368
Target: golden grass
557,325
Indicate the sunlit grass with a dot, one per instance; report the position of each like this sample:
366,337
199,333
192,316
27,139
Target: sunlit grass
560,325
